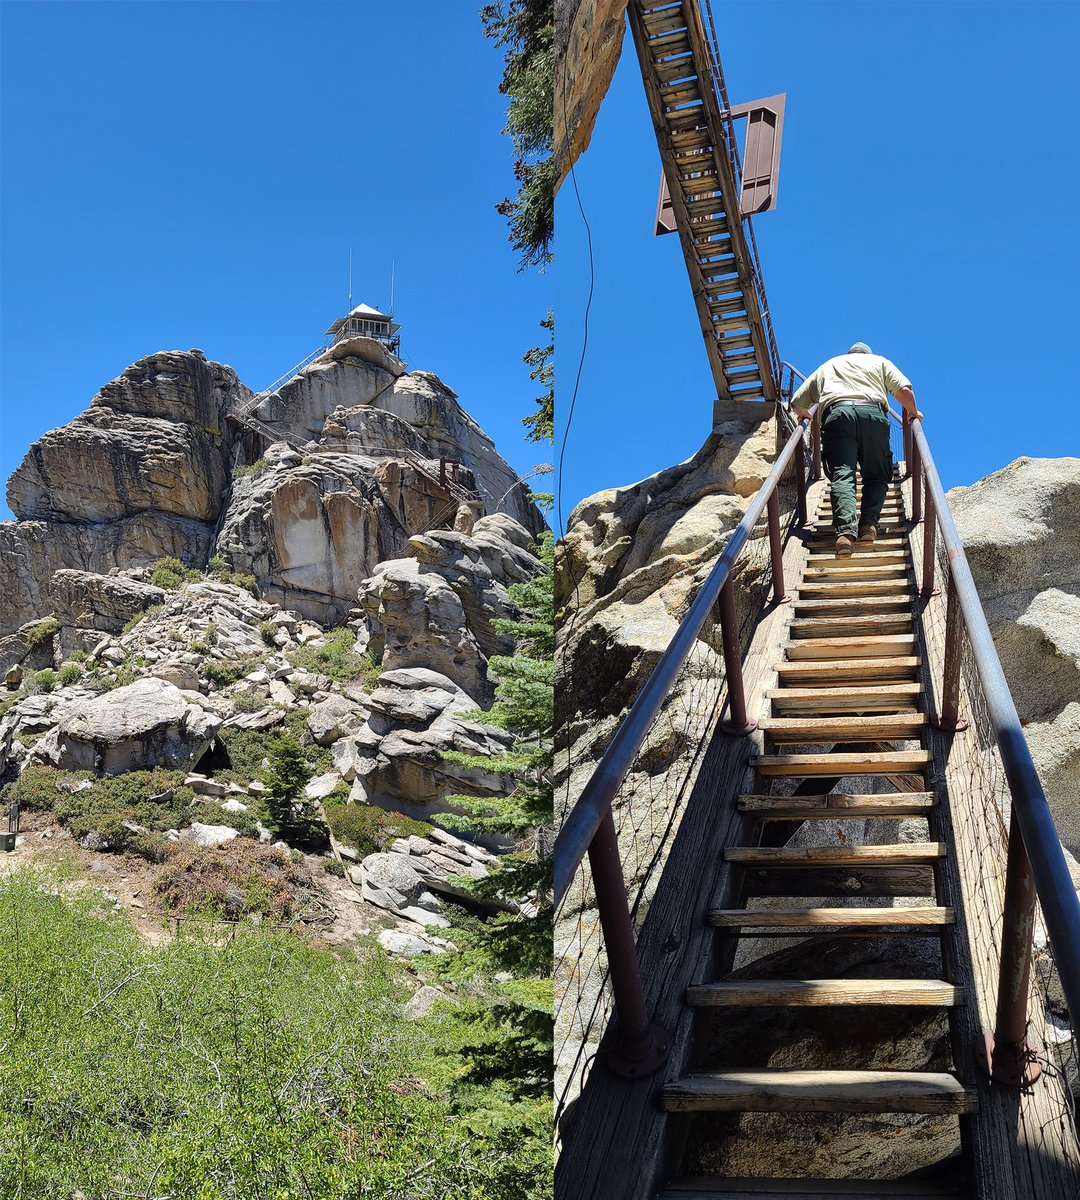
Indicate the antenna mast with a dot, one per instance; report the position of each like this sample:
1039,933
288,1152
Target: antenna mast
393,271
350,279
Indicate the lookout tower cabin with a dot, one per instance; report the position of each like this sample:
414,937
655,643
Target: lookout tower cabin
365,321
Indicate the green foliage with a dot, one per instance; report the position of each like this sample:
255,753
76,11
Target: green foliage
369,829
41,632
141,616
526,29
221,674
212,633
123,675
337,657
255,1066
541,423
268,631
248,702
171,573
45,680
291,814
217,566
70,673
80,656
255,468
199,646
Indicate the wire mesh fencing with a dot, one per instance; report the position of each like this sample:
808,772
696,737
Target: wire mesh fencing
649,804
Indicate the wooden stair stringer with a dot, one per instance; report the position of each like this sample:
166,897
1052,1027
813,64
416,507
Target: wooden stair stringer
676,947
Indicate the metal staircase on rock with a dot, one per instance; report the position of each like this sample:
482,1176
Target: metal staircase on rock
687,100
849,678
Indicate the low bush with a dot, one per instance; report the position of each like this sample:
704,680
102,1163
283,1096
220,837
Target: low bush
268,631
248,702
231,881
255,468
41,632
69,673
369,829
170,573
45,680
141,616
337,657
221,674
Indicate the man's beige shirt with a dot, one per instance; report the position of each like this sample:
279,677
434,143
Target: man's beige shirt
850,377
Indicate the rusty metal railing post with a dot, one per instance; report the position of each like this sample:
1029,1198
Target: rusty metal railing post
776,551
737,721
905,425
948,717
916,482
800,479
817,444
1005,1053
641,1048
929,547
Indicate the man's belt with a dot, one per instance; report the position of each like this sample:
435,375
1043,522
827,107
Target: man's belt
858,404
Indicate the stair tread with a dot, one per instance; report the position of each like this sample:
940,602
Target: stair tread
726,1188
820,625
837,806
900,853
780,1089
878,762
823,992
795,918
831,671
856,646
889,727
890,697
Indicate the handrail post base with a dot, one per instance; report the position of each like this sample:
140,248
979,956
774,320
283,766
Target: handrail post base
733,727
1013,1065
641,1057
956,725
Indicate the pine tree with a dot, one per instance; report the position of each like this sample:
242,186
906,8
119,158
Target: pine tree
290,814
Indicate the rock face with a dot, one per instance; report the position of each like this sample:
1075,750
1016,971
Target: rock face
347,468
1021,532
588,42
146,724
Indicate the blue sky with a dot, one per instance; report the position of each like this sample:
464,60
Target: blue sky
194,174
926,205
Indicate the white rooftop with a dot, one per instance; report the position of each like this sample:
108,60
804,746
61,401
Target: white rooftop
365,310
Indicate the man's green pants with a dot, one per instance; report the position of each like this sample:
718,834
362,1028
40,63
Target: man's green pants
856,434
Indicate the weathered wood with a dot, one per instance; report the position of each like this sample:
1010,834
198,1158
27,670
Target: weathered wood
884,882
865,557
837,806
813,993
838,671
901,854
851,647
894,762
820,626
814,730
796,918
855,606
804,1189
792,1090
824,589
883,698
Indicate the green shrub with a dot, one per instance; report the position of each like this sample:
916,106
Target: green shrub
80,656
337,657
211,638
141,616
222,674
255,468
170,573
45,680
248,582
217,566
155,800
291,814
268,631
41,632
69,673
332,867
369,829
249,702
200,647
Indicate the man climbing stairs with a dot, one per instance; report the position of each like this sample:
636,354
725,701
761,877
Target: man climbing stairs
847,692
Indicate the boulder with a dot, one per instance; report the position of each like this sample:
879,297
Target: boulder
332,719
406,945
106,602
389,881
208,835
146,724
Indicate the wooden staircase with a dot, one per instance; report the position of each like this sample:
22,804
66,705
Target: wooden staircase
847,689
693,140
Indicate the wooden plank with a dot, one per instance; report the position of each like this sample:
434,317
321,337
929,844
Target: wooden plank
902,854
825,588
860,918
881,698
861,647
815,993
864,882
820,625
812,730
795,1090
893,762
837,671
851,568
716,1188
867,557
837,806
855,605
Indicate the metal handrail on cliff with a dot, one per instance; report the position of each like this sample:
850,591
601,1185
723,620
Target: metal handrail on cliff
1036,863
589,827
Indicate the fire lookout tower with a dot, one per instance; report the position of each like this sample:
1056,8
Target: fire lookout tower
365,321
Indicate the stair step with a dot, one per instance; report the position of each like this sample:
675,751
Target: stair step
882,698
856,605
850,647
813,730
837,806
876,762
825,589
902,854
739,343
839,671
821,626
851,570
725,1188
812,993
812,918
868,555
796,1090
681,68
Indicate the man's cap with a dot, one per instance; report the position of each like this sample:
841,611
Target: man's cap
860,348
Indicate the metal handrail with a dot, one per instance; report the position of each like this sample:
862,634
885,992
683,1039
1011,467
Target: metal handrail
1036,856
593,805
